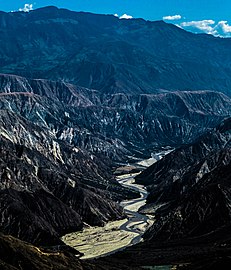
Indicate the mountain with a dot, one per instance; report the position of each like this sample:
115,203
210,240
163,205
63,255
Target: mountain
111,55
49,186
196,193
114,125
190,193
81,94
183,168
60,143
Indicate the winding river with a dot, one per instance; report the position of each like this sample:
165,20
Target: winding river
136,223
114,236
117,235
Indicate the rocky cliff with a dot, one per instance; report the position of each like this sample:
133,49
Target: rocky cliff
46,192
184,168
59,143
117,125
190,197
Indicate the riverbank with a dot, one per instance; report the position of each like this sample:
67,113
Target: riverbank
116,235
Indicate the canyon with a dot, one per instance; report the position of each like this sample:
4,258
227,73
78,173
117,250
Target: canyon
104,128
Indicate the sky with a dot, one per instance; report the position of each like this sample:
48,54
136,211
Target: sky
199,16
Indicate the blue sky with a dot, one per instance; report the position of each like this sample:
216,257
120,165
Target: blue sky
208,16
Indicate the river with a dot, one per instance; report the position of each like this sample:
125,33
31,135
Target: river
136,223
117,235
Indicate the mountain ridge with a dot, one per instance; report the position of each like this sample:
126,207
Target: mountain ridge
112,55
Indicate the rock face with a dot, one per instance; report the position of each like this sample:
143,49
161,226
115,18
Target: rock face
111,55
192,186
59,143
190,195
118,125
42,197
46,182
46,128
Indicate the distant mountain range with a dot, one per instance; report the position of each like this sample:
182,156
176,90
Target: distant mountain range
112,55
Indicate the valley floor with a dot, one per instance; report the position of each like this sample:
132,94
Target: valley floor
116,235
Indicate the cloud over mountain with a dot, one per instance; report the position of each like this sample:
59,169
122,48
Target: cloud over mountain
224,28
221,28
126,16
172,18
206,26
27,8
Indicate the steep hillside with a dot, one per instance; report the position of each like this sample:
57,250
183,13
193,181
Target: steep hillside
60,142
190,193
48,188
110,54
117,125
183,168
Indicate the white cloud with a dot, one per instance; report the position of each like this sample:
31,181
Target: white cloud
205,26
125,16
224,27
116,15
172,18
221,28
27,8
